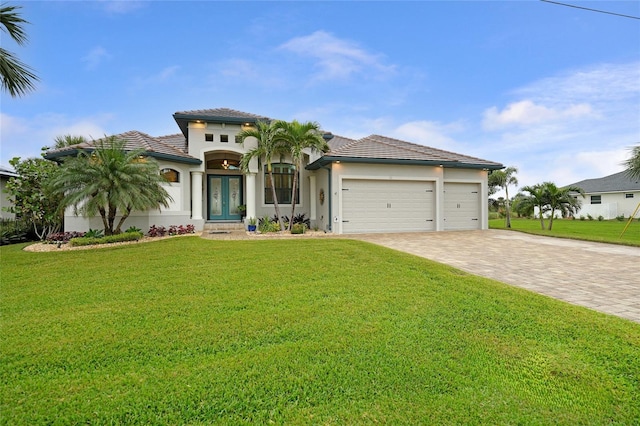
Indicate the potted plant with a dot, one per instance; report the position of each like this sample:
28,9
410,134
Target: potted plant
242,208
252,224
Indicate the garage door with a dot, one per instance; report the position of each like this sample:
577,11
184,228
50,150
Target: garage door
461,206
387,206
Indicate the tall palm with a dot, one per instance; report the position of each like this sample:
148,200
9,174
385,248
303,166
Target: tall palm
17,78
111,181
536,198
633,163
68,140
561,199
268,147
297,137
504,178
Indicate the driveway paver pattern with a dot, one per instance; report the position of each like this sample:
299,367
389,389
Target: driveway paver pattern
603,277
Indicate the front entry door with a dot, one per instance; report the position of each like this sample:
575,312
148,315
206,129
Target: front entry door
225,195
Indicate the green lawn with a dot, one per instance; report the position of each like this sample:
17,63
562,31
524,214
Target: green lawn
312,331
607,231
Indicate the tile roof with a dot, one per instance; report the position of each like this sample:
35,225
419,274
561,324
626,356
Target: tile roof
376,147
167,147
613,183
225,115
217,113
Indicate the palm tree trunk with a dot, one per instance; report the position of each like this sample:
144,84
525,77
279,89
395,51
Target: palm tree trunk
122,219
553,212
506,189
103,215
293,197
275,197
541,218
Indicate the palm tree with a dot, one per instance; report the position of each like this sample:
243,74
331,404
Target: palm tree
633,163
296,137
536,198
504,178
17,78
68,140
109,181
561,199
268,147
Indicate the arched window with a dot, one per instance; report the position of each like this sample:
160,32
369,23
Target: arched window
283,180
171,175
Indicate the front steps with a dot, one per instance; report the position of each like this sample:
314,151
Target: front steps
222,227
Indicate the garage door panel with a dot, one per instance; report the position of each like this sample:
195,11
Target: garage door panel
387,206
461,206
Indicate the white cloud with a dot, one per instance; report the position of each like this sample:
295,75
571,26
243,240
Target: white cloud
526,113
25,136
429,133
96,57
336,58
569,127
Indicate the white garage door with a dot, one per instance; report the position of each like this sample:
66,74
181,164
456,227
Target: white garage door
461,206
387,206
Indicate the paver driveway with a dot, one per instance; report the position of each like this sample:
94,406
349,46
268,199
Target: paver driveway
604,277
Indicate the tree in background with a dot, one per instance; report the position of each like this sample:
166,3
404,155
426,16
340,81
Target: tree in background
633,163
68,140
268,147
295,137
535,198
502,179
110,181
17,78
561,199
32,197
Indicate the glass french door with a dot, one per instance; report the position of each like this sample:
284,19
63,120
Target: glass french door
225,195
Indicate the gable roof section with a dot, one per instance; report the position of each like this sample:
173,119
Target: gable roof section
164,148
616,182
216,115
8,173
384,150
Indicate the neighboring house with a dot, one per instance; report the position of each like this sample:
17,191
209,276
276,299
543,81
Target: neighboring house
373,184
610,197
5,175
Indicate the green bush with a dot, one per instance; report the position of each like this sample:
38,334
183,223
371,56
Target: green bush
109,239
133,229
620,218
13,231
298,228
600,218
94,233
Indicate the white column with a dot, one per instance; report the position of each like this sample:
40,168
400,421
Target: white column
250,198
196,195
312,197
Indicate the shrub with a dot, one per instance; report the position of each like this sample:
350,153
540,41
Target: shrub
161,231
268,225
589,217
63,237
581,217
620,218
109,239
298,228
94,233
13,231
133,229
157,231
600,218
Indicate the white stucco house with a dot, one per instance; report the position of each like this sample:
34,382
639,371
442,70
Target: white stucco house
373,184
610,196
5,203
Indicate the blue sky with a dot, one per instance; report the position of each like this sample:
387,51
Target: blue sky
552,90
